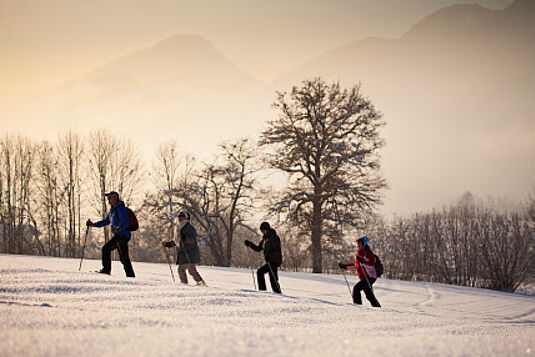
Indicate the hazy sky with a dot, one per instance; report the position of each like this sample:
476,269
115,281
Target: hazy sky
43,43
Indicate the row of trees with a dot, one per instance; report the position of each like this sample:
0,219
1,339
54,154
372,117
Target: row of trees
471,243
326,141
47,188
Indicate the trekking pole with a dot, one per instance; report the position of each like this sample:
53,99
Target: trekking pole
251,265
347,283
169,262
345,278
83,248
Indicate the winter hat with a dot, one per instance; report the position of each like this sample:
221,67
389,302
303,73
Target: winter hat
364,240
264,226
184,213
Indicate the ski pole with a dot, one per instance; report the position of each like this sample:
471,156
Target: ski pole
345,278
347,283
83,248
251,265
171,269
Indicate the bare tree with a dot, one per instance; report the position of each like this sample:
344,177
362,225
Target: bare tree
220,197
127,171
51,195
15,201
506,251
114,165
69,155
6,204
102,151
530,215
327,140
170,170
237,182
530,218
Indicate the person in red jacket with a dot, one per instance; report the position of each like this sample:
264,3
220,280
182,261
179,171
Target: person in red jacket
365,266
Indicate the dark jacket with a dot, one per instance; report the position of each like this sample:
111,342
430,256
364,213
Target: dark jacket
117,217
188,250
271,244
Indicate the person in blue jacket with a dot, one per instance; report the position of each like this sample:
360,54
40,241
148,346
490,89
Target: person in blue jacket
119,219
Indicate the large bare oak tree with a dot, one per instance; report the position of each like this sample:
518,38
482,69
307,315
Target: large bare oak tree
326,138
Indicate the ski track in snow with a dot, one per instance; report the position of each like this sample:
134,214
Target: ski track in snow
49,308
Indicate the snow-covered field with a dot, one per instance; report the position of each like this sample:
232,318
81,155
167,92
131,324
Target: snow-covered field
49,308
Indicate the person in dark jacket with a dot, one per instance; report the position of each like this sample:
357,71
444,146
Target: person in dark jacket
119,219
365,266
188,253
271,244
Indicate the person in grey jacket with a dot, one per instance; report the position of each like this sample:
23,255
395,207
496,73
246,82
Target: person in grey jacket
188,253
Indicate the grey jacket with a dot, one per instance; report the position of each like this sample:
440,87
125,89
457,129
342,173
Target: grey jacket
187,249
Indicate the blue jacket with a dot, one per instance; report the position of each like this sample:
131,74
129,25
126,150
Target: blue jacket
118,216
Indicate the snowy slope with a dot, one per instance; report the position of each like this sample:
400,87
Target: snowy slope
48,308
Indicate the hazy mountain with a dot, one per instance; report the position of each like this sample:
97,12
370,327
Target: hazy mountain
456,91
182,87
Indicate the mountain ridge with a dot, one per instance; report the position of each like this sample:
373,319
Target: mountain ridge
447,93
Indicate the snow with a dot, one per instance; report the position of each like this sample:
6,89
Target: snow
49,308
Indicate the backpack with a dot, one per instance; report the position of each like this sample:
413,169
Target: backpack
134,224
378,266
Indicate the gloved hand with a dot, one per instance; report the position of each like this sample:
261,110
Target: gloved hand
115,229
89,223
168,244
359,259
341,265
247,242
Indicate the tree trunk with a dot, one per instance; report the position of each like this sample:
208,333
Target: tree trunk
316,236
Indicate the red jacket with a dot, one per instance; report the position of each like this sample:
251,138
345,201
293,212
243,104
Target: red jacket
368,263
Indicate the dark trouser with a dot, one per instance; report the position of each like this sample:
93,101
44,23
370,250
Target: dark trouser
192,271
121,244
363,285
271,269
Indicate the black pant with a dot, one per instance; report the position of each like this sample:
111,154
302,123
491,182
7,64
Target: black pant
363,285
121,244
271,269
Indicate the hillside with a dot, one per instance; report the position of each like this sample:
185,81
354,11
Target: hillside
50,308
181,87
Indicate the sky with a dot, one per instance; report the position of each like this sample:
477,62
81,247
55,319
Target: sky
49,308
65,46
44,43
